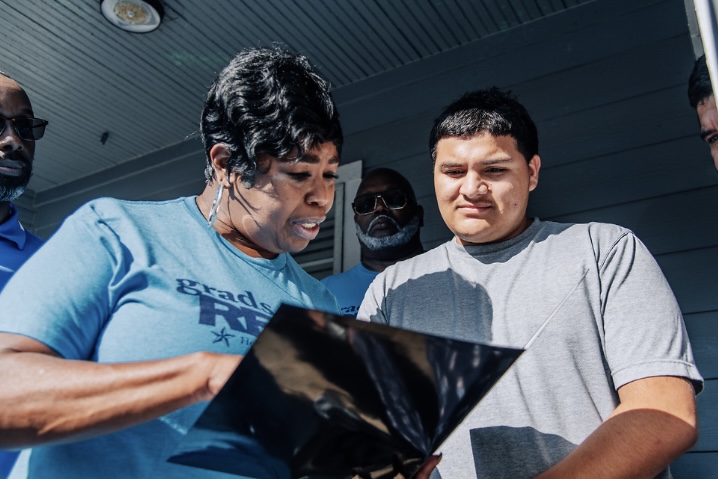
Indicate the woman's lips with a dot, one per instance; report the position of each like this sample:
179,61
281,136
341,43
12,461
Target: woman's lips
307,228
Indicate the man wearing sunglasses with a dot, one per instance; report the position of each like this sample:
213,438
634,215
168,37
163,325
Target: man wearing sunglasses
18,132
388,220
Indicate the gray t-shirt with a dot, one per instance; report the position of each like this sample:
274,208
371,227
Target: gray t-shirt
614,319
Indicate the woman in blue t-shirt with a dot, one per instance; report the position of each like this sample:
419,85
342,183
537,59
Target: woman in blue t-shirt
134,314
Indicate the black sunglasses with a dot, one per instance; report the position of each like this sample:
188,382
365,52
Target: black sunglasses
392,199
26,128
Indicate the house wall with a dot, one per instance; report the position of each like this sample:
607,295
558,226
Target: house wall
606,84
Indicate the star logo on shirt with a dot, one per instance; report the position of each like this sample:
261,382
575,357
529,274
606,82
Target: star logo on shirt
222,336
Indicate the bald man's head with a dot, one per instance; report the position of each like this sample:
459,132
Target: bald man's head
17,151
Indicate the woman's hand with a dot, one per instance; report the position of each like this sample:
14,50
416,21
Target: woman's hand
221,369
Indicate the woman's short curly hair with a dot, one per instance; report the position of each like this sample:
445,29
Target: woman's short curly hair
267,100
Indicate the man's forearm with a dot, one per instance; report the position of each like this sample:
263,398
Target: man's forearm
654,424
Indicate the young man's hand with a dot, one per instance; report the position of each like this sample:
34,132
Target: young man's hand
427,468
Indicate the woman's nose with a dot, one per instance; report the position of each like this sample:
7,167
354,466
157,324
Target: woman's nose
322,193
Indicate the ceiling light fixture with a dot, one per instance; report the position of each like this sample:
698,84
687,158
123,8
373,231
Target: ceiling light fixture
137,16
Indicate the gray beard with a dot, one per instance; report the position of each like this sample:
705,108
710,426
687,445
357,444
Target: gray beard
12,187
9,193
400,238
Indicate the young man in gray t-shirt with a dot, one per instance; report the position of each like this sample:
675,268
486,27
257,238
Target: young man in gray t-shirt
607,389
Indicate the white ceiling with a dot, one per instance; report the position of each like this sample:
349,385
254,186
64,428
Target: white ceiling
88,77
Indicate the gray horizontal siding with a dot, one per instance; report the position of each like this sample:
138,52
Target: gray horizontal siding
164,174
702,461
696,466
704,339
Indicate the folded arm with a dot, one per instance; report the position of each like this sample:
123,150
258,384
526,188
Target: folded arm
47,399
654,423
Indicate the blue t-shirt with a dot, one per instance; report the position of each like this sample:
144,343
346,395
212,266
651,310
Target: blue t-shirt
134,281
16,246
349,287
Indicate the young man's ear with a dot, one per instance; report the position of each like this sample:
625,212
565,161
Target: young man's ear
534,167
219,155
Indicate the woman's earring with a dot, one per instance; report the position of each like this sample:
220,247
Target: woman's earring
215,206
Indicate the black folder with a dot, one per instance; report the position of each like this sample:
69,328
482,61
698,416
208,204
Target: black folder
326,396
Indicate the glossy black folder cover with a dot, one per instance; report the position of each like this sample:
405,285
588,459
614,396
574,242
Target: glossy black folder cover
321,396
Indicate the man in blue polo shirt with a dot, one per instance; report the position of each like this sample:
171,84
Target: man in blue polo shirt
18,132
